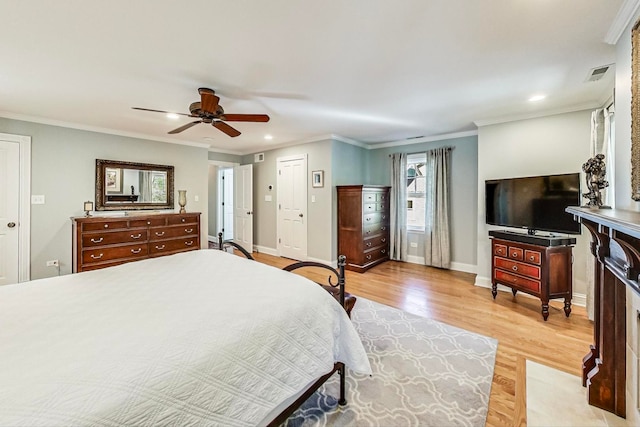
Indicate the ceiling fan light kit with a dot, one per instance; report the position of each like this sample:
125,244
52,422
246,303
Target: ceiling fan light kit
209,111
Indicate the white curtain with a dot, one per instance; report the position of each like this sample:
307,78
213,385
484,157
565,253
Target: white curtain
437,235
145,186
602,122
398,206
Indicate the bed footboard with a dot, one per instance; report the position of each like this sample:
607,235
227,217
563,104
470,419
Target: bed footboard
222,244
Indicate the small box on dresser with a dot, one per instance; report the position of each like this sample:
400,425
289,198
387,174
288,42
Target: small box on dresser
363,225
100,242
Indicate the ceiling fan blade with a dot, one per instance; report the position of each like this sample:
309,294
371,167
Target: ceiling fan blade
245,117
185,127
208,100
160,111
232,132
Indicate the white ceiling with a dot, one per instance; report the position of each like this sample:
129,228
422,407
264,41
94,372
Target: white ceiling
372,71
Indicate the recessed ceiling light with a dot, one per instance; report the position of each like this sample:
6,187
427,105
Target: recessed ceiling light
268,137
536,98
173,116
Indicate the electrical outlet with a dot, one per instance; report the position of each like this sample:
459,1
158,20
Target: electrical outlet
413,244
53,263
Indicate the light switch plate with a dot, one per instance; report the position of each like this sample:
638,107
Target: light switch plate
313,199
267,198
37,199
413,244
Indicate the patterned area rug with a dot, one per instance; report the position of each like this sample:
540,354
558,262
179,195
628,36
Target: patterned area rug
425,373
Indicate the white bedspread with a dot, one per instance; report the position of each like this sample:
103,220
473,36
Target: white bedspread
199,338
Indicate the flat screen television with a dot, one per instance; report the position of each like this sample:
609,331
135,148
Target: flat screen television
536,203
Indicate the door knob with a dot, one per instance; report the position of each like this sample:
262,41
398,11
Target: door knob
11,224
248,213
300,215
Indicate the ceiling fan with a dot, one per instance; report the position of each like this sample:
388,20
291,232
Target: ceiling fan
209,111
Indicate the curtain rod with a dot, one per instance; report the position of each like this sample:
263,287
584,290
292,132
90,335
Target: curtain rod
425,152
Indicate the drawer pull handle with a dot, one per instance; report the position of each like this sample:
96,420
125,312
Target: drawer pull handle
368,219
368,256
383,240
189,243
369,244
184,220
161,247
148,222
136,251
96,256
383,228
499,251
188,230
532,258
368,231
384,251
97,240
515,254
515,268
106,226
515,280
159,233
384,217
139,235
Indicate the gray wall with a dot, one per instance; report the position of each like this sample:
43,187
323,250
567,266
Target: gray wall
464,194
319,213
63,170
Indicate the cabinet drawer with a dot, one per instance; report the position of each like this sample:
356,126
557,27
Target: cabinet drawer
375,254
173,231
373,229
376,241
373,207
149,222
105,225
372,218
107,254
533,257
111,238
516,253
518,267
182,219
500,250
174,245
513,280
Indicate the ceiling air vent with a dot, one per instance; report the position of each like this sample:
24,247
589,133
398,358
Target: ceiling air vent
597,73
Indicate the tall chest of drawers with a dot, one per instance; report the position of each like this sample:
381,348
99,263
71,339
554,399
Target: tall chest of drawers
363,225
537,265
100,242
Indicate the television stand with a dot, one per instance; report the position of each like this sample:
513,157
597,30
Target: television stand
534,264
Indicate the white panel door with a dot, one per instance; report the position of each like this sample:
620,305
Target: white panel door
9,202
227,208
292,207
243,206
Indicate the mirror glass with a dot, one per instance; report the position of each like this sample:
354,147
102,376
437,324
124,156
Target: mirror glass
130,186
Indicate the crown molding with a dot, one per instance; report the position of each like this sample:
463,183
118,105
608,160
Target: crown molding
78,126
626,13
224,151
518,117
420,140
350,141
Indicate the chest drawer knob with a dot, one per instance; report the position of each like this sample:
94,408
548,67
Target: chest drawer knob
515,254
159,247
137,236
188,230
368,257
96,256
184,220
106,226
383,228
384,251
383,240
368,219
369,244
515,268
136,251
97,240
532,258
189,243
159,233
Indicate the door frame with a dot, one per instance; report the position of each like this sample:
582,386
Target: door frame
24,205
278,211
219,164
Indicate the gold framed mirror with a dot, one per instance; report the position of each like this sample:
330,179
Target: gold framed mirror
133,186
635,112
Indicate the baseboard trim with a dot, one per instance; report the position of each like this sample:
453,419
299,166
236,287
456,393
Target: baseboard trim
265,250
457,266
333,264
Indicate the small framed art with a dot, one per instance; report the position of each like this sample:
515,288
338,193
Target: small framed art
317,179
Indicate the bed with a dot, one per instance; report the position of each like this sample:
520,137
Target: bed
196,338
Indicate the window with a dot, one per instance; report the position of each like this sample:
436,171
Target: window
416,191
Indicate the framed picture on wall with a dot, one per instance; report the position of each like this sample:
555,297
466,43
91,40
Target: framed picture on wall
113,180
317,179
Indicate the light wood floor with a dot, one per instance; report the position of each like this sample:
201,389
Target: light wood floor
516,323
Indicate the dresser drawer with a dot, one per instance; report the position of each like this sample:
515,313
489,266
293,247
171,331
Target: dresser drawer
521,282
373,229
376,241
499,250
173,231
161,247
375,254
113,253
106,225
518,267
182,219
372,218
516,253
533,257
111,238
150,222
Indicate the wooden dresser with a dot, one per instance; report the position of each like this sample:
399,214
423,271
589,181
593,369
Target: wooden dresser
100,242
363,225
537,265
